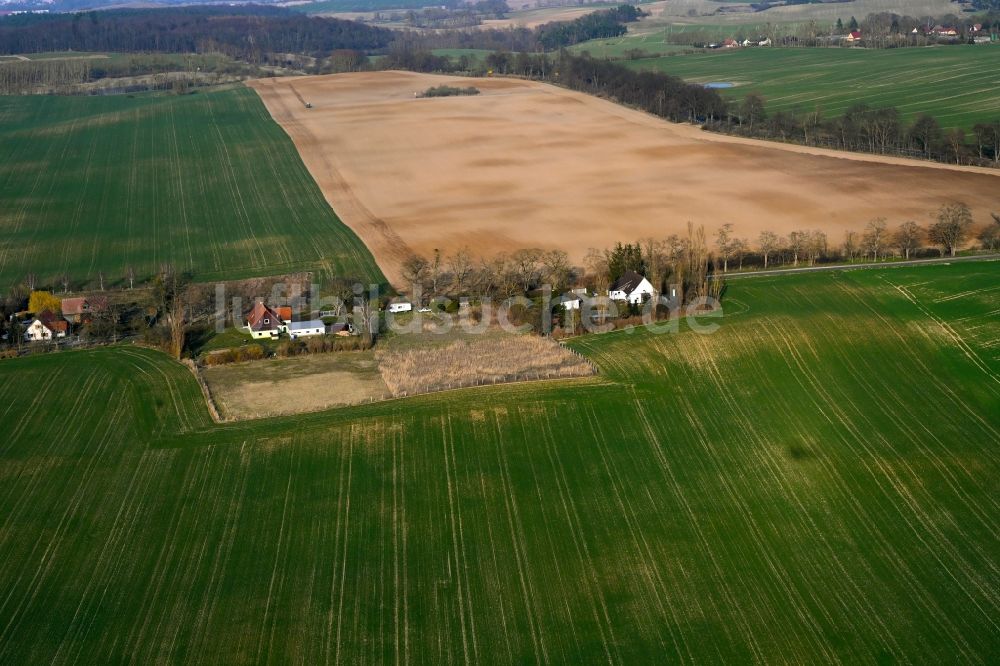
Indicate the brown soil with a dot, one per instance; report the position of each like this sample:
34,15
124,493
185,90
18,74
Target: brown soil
526,164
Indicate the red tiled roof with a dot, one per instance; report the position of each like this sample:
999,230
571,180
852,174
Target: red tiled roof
260,313
74,306
284,312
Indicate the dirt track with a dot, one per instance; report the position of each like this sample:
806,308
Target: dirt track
531,165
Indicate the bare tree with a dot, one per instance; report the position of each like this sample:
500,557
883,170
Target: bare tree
797,243
100,279
874,238
460,265
815,245
740,247
724,241
556,268
768,242
850,244
656,261
64,281
951,227
956,144
990,236
696,263
31,280
175,323
908,237
596,263
436,275
130,275
524,263
415,270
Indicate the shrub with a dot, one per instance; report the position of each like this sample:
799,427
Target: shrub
448,91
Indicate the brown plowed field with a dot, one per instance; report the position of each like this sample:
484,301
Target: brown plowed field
526,164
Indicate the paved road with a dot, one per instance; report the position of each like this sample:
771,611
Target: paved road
852,267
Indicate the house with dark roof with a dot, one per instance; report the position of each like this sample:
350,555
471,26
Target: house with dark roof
631,287
264,322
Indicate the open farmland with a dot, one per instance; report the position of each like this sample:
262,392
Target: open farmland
206,182
815,482
958,85
526,164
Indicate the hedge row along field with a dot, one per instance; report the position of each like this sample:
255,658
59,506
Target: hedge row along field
816,482
206,182
955,84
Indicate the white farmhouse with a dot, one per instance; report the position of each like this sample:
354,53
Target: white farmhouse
37,332
631,287
265,322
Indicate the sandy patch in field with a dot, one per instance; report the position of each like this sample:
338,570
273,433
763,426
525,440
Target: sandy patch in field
526,164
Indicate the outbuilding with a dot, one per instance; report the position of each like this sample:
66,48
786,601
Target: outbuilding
301,329
400,307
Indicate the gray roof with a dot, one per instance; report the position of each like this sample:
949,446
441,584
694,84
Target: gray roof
569,297
627,282
303,325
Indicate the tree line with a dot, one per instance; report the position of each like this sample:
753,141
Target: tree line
863,128
950,229
246,33
685,260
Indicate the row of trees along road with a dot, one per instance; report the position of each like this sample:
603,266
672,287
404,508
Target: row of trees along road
949,230
684,260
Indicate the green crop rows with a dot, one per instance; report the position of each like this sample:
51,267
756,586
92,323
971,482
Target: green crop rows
205,182
814,482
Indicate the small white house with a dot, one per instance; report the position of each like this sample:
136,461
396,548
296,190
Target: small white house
570,301
301,329
631,287
400,307
37,332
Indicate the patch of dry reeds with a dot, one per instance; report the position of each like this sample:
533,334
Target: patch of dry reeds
486,361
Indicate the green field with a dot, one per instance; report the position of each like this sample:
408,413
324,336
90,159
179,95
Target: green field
816,482
206,182
956,84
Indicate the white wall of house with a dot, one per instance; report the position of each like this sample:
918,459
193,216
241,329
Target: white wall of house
37,332
304,329
257,335
644,288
